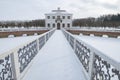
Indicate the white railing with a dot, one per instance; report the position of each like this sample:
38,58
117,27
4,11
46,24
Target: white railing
12,29
101,29
95,64
14,63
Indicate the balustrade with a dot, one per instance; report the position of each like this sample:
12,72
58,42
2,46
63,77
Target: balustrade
14,63
96,65
26,54
6,69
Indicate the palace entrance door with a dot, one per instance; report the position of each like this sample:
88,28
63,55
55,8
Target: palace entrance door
58,25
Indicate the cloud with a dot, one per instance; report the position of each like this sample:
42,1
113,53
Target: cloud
108,4
35,9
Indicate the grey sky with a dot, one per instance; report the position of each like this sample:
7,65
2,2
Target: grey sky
35,9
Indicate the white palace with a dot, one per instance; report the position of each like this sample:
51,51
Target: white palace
58,18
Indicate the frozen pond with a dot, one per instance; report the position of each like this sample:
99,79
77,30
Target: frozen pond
108,46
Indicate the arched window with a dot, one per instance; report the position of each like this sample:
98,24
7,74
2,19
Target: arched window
48,24
68,17
63,25
53,17
53,25
48,17
63,17
68,25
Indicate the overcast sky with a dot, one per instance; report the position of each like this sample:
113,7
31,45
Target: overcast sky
35,9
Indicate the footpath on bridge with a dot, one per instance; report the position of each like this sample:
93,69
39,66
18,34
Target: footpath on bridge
55,61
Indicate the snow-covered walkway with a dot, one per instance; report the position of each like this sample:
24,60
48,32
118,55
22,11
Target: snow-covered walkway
55,61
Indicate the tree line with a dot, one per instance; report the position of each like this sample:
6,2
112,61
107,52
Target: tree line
102,21
40,23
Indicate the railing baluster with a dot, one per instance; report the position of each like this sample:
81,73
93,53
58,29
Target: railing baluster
15,63
97,65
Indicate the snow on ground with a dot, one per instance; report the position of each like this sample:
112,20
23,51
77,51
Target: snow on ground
109,46
7,44
55,61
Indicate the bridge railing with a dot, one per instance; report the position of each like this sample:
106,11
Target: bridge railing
95,64
14,63
109,29
12,29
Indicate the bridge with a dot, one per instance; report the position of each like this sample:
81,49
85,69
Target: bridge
59,55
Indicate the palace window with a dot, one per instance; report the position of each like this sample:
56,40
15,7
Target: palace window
68,17
48,24
63,17
48,17
53,17
53,25
63,25
58,17
68,25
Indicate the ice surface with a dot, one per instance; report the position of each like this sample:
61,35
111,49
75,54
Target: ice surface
55,61
109,46
7,44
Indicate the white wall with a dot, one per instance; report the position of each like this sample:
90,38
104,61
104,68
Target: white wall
52,21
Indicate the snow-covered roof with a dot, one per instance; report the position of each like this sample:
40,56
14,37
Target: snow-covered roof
58,11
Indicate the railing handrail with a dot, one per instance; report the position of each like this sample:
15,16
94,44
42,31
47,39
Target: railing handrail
94,51
112,61
28,41
12,29
103,29
18,59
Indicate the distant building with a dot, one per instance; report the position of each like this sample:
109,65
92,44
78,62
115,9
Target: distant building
58,18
